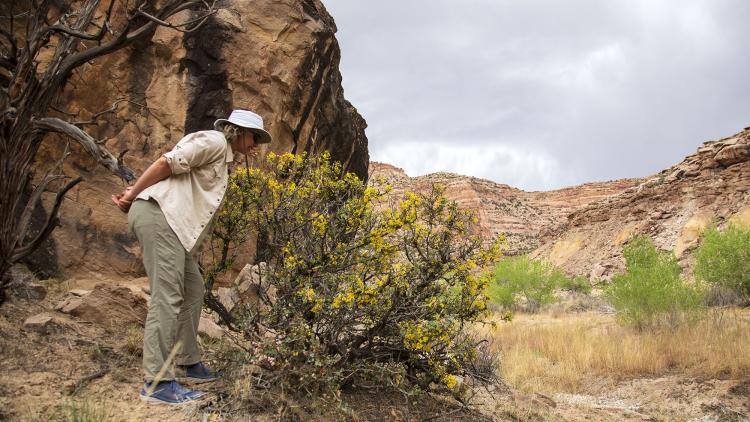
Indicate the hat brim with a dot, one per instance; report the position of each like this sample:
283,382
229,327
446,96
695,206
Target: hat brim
262,138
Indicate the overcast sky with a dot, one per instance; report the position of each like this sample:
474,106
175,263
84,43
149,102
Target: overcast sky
542,94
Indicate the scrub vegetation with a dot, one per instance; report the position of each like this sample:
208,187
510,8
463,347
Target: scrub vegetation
652,291
353,290
533,281
574,354
723,258
661,326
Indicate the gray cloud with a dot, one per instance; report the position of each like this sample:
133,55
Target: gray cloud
543,94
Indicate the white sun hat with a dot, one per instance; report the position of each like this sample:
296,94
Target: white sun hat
247,119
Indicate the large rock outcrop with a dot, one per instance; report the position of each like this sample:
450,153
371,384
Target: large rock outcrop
279,58
672,207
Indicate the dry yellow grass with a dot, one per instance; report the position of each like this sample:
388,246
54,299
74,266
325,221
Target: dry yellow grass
579,353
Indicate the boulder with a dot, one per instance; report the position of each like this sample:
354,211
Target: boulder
108,306
278,58
41,323
209,328
733,154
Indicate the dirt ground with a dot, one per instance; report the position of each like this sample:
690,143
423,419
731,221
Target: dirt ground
76,366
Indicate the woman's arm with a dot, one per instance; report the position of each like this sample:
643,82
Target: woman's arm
155,173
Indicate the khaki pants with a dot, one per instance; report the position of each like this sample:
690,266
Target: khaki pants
176,292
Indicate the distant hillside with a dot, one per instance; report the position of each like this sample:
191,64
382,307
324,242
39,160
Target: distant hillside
583,228
524,217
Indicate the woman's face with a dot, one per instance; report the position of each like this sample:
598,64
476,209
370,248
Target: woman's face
245,142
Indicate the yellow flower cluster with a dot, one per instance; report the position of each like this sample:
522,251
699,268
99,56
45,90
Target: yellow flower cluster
347,264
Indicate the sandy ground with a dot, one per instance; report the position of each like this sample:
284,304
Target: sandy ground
44,375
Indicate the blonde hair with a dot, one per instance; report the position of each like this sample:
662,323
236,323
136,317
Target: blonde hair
230,131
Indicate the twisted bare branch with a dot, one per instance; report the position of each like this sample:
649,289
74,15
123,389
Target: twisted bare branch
21,252
104,157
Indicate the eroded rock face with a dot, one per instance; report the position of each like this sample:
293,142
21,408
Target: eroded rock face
278,58
523,217
583,228
672,207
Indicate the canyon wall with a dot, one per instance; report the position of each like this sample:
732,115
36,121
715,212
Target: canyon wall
278,58
523,217
672,208
583,228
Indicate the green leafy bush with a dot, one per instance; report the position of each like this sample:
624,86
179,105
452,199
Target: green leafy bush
352,287
651,292
534,280
576,284
723,258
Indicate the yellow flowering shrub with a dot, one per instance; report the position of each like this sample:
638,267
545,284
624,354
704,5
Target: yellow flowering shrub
356,286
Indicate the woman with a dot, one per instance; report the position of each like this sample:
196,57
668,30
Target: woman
170,209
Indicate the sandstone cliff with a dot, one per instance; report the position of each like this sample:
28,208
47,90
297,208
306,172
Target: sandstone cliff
583,228
672,207
523,217
279,58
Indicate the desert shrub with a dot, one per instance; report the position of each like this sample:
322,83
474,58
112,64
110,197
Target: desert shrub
720,296
352,287
535,280
577,284
652,292
723,258
133,346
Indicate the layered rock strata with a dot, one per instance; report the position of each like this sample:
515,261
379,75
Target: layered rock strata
583,228
523,217
672,207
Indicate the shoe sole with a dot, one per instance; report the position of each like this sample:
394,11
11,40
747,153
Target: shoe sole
195,380
154,400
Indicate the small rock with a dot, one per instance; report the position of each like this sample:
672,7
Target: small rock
228,297
598,272
209,328
41,323
69,305
69,387
30,290
546,400
113,306
79,292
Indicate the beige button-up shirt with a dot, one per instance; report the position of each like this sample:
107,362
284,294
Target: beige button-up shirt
191,196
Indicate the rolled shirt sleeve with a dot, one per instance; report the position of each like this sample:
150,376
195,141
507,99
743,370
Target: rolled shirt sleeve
195,150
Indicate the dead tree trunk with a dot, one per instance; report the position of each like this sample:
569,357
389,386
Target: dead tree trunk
78,31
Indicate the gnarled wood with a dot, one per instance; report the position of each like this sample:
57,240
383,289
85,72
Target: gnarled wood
104,157
23,251
30,83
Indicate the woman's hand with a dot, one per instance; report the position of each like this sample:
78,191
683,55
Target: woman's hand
124,200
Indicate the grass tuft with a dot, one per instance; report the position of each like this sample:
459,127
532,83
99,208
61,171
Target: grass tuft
87,411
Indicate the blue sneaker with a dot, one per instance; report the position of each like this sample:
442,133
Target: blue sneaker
196,373
170,392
